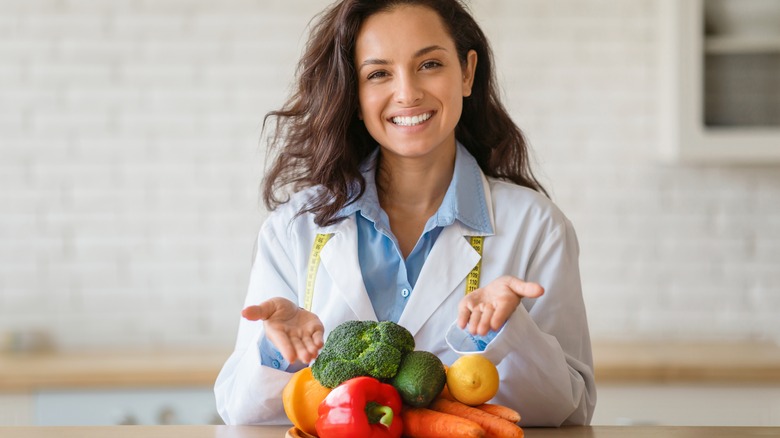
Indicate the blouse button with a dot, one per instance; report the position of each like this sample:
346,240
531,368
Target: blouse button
275,364
404,292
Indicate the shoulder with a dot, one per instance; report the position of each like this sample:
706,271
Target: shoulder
288,217
525,207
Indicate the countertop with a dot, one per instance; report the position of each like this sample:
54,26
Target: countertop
279,432
614,362
713,362
119,369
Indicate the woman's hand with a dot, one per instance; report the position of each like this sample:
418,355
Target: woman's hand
296,332
489,307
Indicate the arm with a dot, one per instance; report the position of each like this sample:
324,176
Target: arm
246,391
543,351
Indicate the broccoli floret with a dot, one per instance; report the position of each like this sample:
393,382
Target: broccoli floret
396,335
362,348
380,360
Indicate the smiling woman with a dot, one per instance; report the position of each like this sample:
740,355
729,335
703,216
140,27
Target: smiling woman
411,86
402,192
410,91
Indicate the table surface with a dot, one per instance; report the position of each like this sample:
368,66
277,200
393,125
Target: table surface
279,432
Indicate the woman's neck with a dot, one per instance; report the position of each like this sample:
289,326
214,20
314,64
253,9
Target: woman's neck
410,191
415,185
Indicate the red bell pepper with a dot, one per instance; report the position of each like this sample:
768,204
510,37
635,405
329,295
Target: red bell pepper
362,407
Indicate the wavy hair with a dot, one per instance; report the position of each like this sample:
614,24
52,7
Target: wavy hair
318,140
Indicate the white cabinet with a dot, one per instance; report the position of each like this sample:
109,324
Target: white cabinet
109,406
682,404
103,407
16,409
720,81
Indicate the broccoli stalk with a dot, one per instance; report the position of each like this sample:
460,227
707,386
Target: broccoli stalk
362,348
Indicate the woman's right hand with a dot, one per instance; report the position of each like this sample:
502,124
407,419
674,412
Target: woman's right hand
296,332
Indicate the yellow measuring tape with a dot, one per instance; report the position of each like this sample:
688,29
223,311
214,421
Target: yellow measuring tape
472,280
314,266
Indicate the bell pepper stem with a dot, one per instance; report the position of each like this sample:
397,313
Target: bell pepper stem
379,414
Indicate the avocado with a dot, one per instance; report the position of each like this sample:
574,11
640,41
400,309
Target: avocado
420,378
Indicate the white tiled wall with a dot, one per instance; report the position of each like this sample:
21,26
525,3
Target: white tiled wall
130,163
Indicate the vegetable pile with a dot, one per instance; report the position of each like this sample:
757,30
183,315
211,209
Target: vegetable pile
368,381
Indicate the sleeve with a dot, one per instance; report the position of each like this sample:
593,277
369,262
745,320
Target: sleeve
543,352
246,390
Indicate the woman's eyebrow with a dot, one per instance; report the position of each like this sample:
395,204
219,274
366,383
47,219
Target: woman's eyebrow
427,50
417,54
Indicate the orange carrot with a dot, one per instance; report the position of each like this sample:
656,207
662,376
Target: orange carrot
502,411
426,423
445,393
494,426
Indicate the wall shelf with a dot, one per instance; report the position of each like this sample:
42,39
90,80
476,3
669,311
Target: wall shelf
720,94
741,45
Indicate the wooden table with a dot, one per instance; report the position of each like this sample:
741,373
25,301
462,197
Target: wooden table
279,432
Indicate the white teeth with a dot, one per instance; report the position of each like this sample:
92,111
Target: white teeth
411,121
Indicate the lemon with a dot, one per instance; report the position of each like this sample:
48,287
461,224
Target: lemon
472,379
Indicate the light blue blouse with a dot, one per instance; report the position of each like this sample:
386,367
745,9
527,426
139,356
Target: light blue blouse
388,277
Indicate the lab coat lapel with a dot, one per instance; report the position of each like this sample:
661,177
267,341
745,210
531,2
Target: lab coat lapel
445,269
339,258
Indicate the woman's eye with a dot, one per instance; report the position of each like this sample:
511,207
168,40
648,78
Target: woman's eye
427,65
377,75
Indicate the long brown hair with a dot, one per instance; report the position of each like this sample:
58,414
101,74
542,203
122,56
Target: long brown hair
319,141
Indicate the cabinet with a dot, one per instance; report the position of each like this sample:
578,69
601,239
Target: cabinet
16,409
111,406
687,404
720,81
109,387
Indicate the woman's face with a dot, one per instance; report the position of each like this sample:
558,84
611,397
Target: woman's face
411,83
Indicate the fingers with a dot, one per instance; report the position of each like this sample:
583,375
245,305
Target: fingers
259,312
525,289
295,346
301,352
474,318
464,312
284,344
311,342
478,316
500,316
317,338
485,319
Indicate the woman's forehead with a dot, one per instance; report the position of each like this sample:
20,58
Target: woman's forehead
402,30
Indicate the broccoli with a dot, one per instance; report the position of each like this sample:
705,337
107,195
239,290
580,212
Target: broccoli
362,348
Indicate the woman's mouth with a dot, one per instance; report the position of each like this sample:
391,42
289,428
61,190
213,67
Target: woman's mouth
411,120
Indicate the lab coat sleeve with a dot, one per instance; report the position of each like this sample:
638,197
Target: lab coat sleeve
543,352
246,391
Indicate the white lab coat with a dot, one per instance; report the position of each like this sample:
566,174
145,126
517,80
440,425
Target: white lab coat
543,353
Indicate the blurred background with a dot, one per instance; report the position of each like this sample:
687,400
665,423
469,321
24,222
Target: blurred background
131,160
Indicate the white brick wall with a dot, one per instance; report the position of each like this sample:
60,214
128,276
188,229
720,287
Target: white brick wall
130,163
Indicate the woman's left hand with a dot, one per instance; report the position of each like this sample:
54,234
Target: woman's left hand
488,308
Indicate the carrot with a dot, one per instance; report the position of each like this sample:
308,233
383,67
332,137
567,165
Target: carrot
502,411
426,423
494,426
445,393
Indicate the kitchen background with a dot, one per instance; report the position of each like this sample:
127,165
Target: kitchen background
130,164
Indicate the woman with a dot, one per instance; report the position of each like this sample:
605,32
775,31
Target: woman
398,152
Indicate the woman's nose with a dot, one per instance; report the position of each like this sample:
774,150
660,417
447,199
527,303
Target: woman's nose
408,90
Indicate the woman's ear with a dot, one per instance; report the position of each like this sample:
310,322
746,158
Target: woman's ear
360,113
469,67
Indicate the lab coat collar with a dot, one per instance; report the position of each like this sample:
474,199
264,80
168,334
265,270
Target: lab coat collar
465,200
446,267
339,257
449,262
